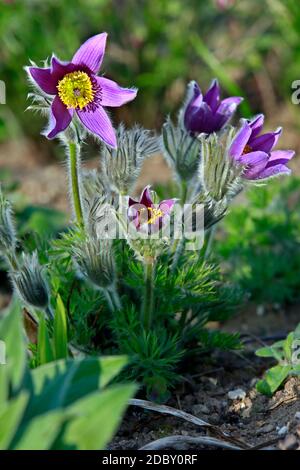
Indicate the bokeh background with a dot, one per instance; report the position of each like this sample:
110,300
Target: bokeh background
251,46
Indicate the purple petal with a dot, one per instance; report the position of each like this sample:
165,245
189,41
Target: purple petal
200,119
196,97
274,171
255,162
279,157
59,69
44,79
266,142
212,96
112,94
240,141
146,199
256,125
167,205
229,105
60,118
91,53
132,202
98,122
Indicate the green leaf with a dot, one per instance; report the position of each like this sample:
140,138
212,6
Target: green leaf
10,418
12,334
60,330
111,366
98,417
270,351
274,377
60,383
44,349
41,432
287,346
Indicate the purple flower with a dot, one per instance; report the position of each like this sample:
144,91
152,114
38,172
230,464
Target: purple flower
208,113
147,216
77,88
255,151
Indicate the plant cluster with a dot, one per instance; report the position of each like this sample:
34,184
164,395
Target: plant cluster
130,273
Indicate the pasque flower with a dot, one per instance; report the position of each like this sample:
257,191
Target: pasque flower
77,89
255,151
208,113
148,216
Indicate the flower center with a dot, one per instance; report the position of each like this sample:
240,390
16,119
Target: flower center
76,90
154,214
247,149
149,215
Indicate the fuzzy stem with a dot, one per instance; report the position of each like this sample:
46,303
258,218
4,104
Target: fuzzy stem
209,243
178,253
148,300
74,177
115,297
108,296
184,191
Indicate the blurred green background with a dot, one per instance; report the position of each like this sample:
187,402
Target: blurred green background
252,46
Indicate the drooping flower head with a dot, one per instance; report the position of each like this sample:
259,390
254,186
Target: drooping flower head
77,89
148,216
208,113
255,151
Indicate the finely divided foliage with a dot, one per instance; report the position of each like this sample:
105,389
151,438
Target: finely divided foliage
144,294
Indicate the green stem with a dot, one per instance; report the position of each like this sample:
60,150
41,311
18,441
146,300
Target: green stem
74,176
115,298
184,191
148,300
178,254
209,242
109,300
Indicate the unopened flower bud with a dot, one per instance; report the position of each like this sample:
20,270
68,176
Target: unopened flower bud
121,166
181,150
30,282
95,261
7,229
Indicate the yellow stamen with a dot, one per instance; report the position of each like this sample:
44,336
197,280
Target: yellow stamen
155,214
76,90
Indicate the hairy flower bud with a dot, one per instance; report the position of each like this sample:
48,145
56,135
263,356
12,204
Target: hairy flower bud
121,167
220,175
95,261
30,283
7,229
181,150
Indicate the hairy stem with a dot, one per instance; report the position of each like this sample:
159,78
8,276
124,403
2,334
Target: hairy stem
177,254
115,297
75,181
148,300
209,242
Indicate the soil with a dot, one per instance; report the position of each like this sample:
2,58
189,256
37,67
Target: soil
250,418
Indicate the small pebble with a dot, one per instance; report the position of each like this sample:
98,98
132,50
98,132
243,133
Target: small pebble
297,415
266,429
237,394
200,409
282,431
